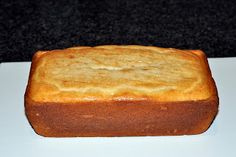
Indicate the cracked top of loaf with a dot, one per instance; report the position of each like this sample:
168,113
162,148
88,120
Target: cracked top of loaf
106,73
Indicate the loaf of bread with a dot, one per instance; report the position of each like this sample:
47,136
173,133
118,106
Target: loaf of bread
120,91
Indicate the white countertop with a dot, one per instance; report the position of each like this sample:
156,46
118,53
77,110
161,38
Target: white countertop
17,138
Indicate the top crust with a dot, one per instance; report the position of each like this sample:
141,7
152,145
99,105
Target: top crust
106,73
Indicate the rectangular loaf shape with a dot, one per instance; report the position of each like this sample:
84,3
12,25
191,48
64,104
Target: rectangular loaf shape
120,91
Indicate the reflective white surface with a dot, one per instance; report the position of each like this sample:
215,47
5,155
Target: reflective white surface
17,138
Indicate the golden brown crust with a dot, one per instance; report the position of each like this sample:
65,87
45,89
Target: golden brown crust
121,118
128,114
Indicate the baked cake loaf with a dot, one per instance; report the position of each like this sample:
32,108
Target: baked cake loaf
120,91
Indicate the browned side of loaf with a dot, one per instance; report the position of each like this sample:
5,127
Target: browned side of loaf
121,118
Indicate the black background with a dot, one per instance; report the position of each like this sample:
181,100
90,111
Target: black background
28,26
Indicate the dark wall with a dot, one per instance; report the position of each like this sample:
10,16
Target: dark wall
28,26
